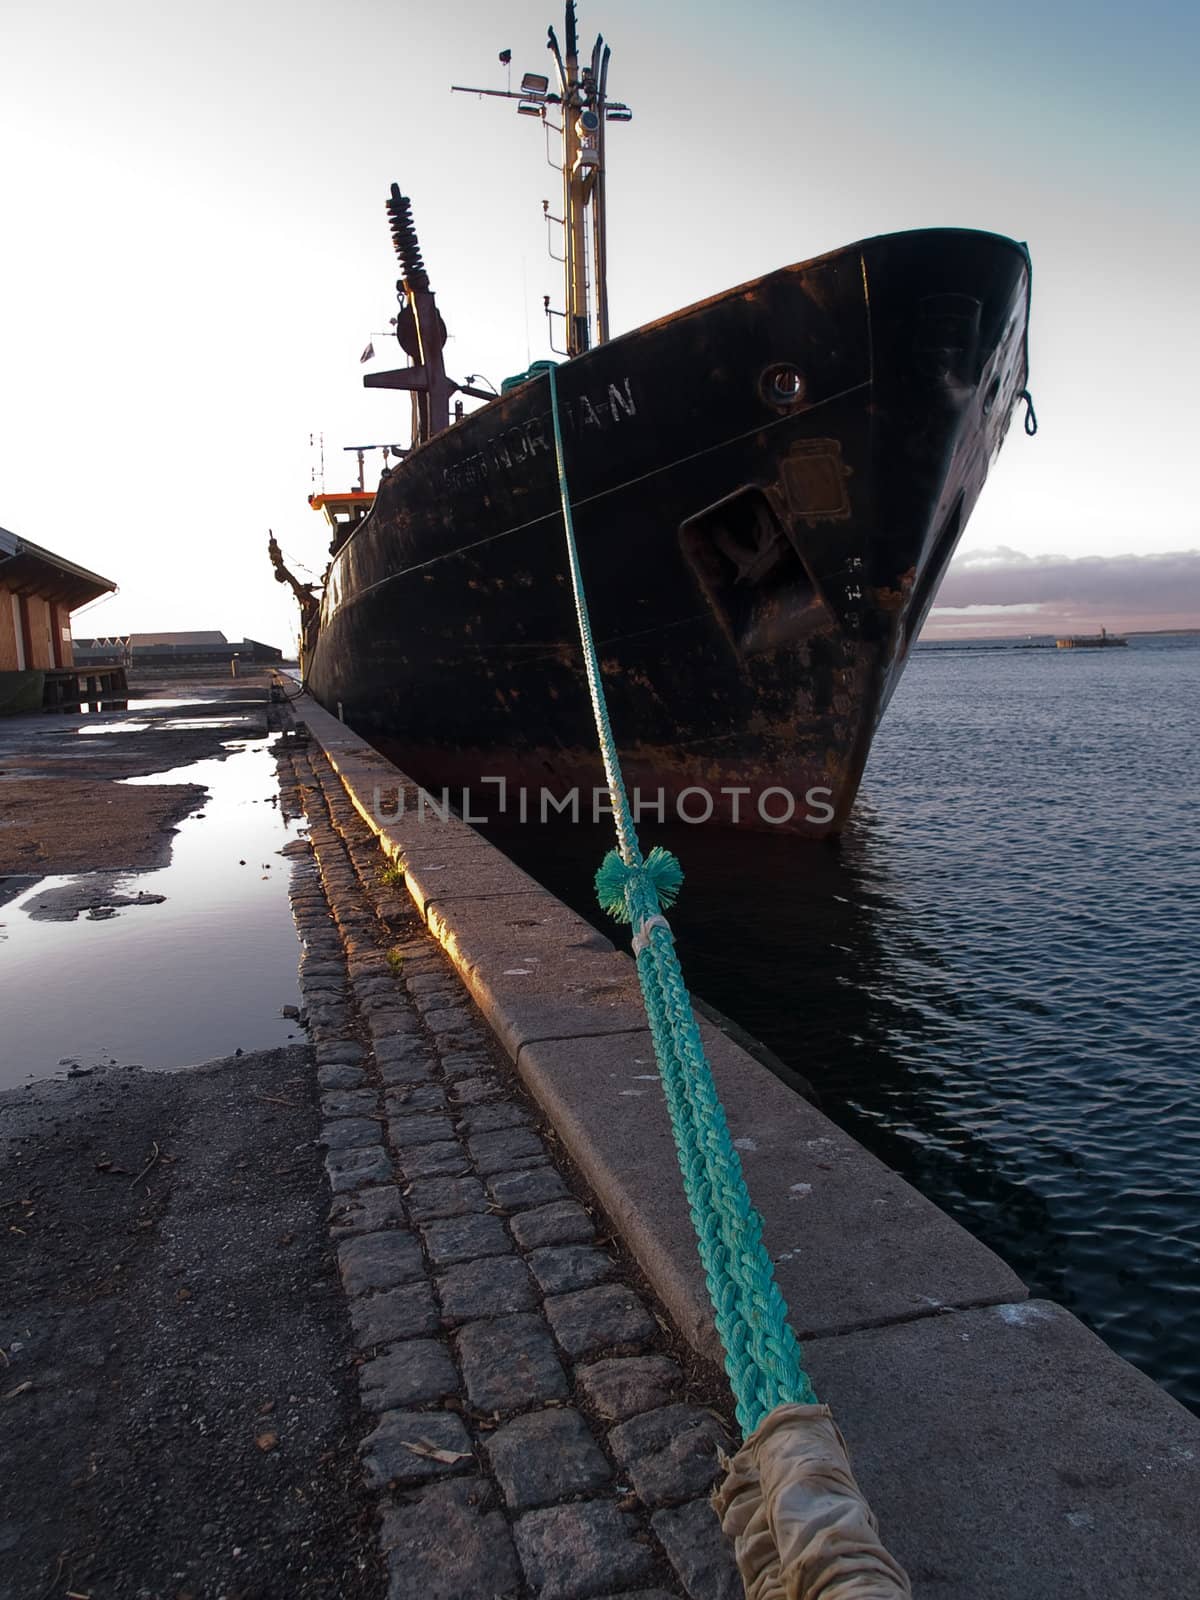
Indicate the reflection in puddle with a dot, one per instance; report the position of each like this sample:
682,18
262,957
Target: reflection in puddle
154,705
175,723
199,975
171,724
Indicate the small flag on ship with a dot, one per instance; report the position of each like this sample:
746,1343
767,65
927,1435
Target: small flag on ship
369,353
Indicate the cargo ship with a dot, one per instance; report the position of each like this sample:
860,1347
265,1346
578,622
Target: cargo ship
767,486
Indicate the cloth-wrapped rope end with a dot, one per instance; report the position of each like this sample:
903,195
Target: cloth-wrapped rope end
797,1518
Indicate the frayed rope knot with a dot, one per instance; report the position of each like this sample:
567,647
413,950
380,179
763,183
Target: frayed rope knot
660,872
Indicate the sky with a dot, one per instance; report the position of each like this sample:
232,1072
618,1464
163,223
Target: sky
196,253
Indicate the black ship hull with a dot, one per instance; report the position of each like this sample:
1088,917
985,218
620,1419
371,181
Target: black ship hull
768,488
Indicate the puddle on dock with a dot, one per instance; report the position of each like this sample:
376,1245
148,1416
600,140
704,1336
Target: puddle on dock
171,724
171,984
160,704
131,722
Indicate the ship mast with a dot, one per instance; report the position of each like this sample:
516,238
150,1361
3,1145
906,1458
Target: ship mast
585,109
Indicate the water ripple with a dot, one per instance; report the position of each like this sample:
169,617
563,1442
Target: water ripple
993,982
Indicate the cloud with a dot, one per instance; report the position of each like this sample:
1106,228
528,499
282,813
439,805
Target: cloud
1003,591
1145,583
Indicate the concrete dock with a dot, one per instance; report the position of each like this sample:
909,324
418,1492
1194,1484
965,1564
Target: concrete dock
1006,1450
514,1389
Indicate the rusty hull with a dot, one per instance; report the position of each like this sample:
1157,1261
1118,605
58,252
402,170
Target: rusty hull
768,488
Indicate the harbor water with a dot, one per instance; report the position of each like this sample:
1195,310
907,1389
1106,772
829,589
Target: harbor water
992,982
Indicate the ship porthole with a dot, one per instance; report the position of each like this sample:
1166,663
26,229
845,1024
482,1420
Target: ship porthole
782,385
993,392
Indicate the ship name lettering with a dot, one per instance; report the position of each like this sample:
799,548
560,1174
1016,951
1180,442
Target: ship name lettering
585,412
517,445
624,400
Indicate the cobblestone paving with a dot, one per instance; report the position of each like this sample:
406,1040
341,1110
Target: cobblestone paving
532,1433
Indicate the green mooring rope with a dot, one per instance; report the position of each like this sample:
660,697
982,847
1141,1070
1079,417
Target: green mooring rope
762,1354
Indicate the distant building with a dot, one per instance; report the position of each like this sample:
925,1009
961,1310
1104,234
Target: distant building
179,641
198,648
38,592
